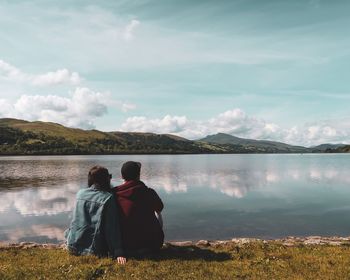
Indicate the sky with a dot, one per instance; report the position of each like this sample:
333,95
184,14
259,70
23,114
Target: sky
276,69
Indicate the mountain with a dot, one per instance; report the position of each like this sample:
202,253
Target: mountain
327,147
250,145
23,137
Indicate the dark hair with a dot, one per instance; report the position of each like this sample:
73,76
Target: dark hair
100,178
131,170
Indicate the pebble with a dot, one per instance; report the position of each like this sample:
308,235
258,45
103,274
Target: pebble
203,243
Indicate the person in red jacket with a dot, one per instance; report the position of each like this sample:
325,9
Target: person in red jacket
139,205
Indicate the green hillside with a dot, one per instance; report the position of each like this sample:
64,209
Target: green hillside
53,130
19,137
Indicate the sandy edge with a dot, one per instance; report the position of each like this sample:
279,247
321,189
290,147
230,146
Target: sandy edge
287,241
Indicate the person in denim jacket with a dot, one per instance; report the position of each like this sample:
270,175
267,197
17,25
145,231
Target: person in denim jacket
95,225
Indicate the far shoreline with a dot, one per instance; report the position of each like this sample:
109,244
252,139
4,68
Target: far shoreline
172,154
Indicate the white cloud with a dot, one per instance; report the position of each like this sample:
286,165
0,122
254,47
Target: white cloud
6,108
236,122
167,124
80,109
9,71
127,107
61,76
58,77
128,32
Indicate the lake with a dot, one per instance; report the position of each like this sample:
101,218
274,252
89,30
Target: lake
205,196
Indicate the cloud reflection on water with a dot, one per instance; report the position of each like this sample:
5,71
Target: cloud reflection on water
237,184
40,201
34,232
58,199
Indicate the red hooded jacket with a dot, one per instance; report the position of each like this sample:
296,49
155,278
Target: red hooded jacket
140,228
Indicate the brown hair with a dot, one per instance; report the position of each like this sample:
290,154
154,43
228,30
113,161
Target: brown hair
131,170
100,178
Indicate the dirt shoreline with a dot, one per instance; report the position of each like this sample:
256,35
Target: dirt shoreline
287,241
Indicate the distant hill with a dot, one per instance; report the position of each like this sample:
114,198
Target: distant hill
342,149
327,147
259,146
23,137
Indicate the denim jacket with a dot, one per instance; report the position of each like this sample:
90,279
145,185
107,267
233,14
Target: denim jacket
95,226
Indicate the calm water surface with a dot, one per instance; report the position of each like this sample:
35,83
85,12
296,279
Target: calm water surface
205,196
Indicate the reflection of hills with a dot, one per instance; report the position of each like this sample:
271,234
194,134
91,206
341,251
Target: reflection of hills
24,182
41,171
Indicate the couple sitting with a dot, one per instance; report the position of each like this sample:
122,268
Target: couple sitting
116,222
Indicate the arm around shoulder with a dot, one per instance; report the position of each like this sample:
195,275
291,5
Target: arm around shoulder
113,229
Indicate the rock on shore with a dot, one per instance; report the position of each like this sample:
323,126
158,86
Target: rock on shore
287,241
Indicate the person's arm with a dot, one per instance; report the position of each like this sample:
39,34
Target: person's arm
155,201
112,230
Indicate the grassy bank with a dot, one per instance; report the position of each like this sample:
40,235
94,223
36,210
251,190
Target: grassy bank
254,260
